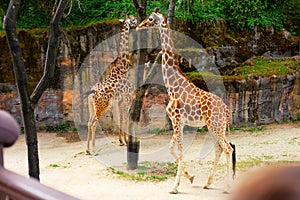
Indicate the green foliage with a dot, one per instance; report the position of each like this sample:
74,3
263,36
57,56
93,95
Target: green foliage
98,10
239,14
22,130
195,11
62,127
242,14
298,117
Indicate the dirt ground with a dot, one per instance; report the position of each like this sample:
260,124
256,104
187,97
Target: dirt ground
64,165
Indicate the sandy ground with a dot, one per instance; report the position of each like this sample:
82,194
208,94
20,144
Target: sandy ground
65,167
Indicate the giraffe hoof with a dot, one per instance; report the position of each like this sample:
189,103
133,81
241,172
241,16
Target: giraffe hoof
121,144
174,191
87,152
192,179
206,187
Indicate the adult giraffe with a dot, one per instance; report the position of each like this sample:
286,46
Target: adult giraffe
115,86
189,105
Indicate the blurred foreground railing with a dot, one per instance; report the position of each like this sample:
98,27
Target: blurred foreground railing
12,185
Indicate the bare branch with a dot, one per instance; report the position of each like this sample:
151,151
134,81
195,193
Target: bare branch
53,42
70,9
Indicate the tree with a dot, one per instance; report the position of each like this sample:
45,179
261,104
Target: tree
133,143
29,102
171,13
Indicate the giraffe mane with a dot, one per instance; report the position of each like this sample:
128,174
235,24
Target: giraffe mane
175,55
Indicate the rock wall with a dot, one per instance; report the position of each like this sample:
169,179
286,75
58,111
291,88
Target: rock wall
230,48
254,101
263,100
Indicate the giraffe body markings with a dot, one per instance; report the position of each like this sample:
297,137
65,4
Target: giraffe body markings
189,105
115,87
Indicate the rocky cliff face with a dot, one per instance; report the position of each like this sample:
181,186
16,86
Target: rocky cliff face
229,48
263,100
253,101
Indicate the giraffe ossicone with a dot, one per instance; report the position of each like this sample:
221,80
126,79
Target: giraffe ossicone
189,105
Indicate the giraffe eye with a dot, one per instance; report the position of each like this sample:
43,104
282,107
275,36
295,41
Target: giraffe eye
150,19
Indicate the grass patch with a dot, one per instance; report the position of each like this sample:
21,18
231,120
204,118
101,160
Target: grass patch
253,129
157,131
249,129
294,141
80,153
200,74
265,160
260,161
148,171
54,165
261,66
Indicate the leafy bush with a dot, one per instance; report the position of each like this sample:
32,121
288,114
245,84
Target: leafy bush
246,14
239,14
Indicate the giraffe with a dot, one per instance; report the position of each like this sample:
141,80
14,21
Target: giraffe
189,105
115,87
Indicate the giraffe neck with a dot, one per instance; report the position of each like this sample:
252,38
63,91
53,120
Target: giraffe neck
121,65
124,38
172,75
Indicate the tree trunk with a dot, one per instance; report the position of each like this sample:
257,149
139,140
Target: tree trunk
28,103
171,10
135,110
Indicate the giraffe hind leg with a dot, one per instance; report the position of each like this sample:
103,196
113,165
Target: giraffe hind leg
91,108
87,151
223,146
121,143
90,133
218,153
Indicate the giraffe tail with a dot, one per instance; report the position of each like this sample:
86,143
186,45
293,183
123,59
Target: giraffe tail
84,95
233,159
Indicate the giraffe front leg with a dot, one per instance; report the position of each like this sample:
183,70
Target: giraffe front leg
178,136
177,180
180,157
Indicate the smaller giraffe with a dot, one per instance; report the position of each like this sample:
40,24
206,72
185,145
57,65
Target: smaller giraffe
115,87
189,105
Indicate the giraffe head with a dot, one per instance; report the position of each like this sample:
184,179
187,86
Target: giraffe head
155,19
129,22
